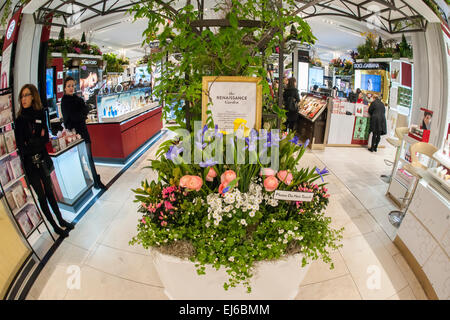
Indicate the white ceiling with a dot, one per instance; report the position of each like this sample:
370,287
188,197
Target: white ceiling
118,33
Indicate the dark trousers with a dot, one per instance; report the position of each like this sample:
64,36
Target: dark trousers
376,137
42,185
92,164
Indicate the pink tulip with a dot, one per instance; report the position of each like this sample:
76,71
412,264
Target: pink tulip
211,175
285,176
270,183
195,183
227,176
267,172
184,181
221,187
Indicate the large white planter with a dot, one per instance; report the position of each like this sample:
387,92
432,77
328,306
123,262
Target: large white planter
277,280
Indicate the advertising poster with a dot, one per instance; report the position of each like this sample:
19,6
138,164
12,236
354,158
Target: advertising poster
231,98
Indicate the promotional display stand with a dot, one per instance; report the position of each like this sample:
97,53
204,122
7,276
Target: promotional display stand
313,123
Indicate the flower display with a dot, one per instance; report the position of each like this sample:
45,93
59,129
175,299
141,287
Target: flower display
235,221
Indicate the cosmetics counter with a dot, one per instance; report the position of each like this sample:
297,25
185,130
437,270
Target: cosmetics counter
349,124
424,234
124,122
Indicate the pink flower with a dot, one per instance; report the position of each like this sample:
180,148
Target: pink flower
164,223
159,205
211,175
285,176
267,172
227,177
221,187
77,50
168,205
195,183
270,183
184,181
143,220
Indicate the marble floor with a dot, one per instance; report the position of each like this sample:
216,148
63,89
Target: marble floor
97,262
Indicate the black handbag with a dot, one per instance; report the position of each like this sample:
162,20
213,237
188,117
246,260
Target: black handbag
46,164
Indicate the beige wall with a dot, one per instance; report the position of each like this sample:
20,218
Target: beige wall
13,250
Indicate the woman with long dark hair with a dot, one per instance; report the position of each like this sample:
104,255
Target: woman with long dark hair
31,137
291,99
74,111
378,126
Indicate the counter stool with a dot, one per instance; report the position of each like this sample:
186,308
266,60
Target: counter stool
397,143
395,216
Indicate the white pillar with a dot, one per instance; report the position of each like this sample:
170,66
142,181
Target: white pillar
27,55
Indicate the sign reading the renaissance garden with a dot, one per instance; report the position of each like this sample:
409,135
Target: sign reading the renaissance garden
231,98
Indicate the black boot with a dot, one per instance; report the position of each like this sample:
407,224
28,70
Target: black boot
67,225
98,183
62,233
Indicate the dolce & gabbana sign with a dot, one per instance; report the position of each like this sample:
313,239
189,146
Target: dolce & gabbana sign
370,65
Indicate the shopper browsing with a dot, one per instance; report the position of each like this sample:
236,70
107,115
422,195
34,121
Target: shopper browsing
31,137
290,99
377,122
74,112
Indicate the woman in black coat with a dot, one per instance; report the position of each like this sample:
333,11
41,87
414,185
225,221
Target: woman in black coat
291,99
74,111
377,112
31,137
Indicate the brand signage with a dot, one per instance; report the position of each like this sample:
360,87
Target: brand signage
10,30
370,65
88,62
293,196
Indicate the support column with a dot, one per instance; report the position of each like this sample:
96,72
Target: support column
27,55
421,81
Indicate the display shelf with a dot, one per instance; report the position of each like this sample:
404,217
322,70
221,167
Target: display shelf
68,147
6,155
6,124
12,182
18,210
445,184
442,159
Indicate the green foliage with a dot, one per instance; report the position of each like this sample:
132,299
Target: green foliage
113,63
7,6
384,49
61,34
222,51
245,225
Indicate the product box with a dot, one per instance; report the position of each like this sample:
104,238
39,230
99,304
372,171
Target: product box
3,149
19,195
10,198
15,167
4,172
33,214
5,117
10,140
24,222
62,143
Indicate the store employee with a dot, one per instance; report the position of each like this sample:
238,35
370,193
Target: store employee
74,111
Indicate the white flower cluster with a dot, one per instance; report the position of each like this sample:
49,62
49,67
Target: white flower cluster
234,199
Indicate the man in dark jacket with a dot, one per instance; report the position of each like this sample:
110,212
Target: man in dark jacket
377,112
291,99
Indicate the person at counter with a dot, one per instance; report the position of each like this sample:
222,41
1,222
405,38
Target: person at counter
31,137
74,111
290,99
377,112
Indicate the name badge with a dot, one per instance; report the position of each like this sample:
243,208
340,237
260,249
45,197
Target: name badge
38,121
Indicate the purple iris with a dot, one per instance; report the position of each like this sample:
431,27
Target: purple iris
208,163
322,173
251,145
217,134
199,143
173,152
294,140
226,189
306,143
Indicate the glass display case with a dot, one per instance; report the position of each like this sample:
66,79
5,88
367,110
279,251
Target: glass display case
72,178
117,107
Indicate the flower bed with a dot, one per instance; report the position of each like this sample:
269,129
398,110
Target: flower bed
226,215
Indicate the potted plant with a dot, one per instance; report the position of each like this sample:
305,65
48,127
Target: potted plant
215,226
